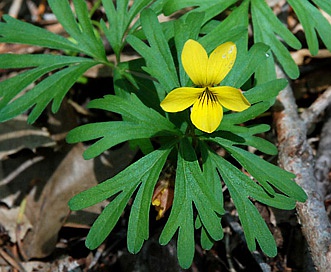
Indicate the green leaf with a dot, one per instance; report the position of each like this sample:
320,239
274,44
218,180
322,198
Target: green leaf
119,20
210,8
258,142
311,20
110,134
263,96
124,84
15,31
266,91
266,72
139,216
144,172
181,217
81,30
140,114
159,61
246,65
190,186
241,117
124,181
265,172
266,26
107,220
14,61
53,87
211,176
252,222
252,189
324,4
207,242
145,123
214,183
233,28
245,137
130,78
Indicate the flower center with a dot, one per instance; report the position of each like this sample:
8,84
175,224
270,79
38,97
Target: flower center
207,96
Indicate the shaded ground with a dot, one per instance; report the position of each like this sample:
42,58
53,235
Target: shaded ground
39,173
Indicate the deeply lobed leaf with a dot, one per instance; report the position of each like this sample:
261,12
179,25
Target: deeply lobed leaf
191,187
15,31
158,56
144,123
266,25
144,172
313,21
80,29
53,87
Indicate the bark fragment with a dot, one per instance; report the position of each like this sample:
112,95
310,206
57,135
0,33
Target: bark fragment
296,156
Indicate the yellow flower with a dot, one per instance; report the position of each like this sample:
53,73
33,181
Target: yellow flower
163,197
207,98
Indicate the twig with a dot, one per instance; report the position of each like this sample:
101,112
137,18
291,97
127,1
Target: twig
236,227
11,260
20,169
300,55
310,115
323,157
228,250
15,8
296,156
97,256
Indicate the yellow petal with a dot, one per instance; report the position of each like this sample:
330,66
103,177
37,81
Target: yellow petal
221,62
207,113
195,60
180,99
230,98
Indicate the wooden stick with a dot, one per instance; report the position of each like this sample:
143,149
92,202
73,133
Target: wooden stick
296,156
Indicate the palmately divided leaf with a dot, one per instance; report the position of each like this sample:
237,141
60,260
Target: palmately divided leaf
262,97
119,20
246,115
144,172
210,8
53,87
252,222
123,181
44,63
191,187
260,144
80,29
324,5
252,189
107,220
266,91
266,25
214,183
233,28
144,123
265,172
141,113
234,135
15,31
181,217
158,56
245,65
112,133
312,19
138,229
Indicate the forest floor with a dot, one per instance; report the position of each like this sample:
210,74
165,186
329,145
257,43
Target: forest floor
40,172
